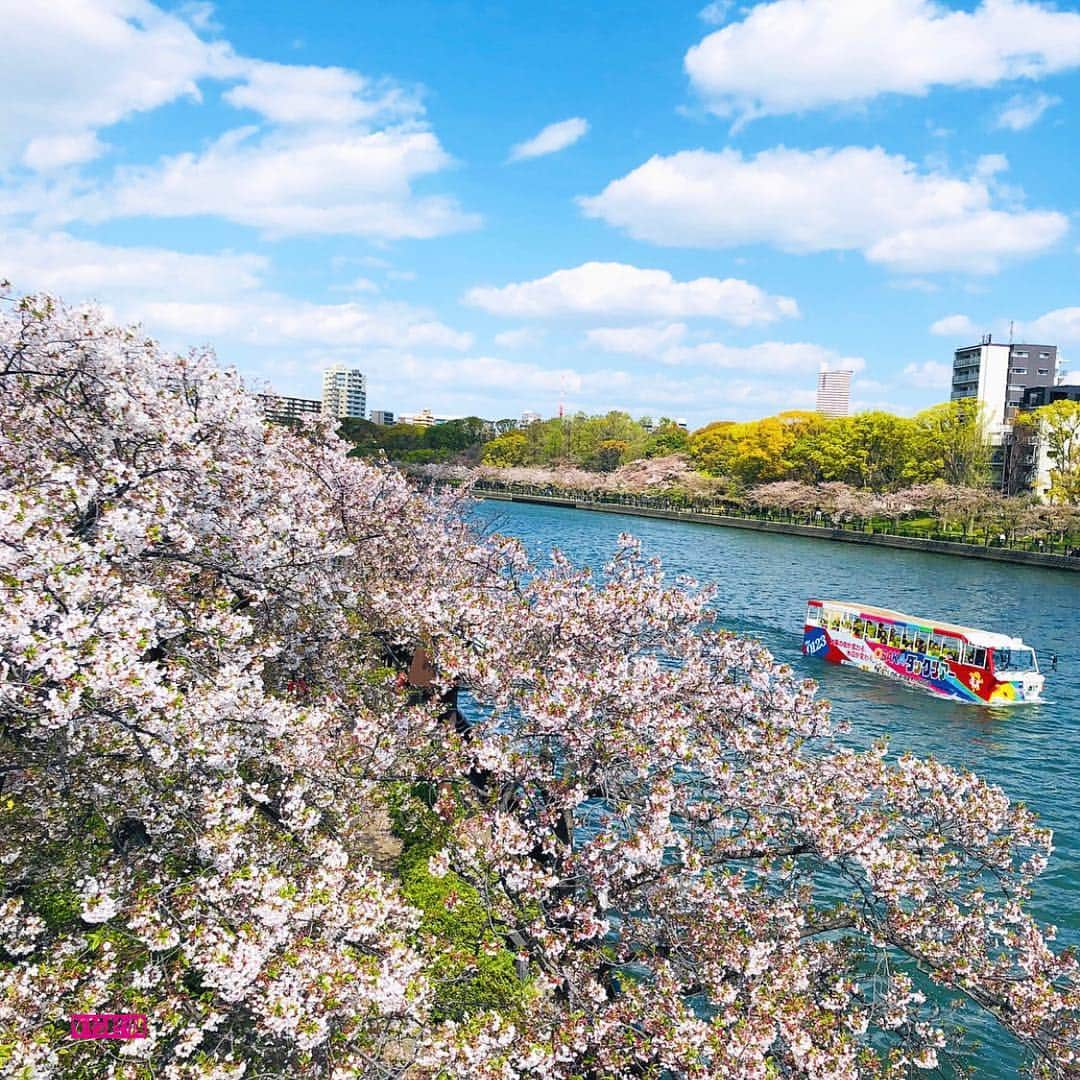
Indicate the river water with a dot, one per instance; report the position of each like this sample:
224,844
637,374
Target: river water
1032,751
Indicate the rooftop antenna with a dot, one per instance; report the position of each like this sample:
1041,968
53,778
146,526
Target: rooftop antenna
562,393
1010,331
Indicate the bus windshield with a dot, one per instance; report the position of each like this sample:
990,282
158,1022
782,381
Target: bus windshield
1015,660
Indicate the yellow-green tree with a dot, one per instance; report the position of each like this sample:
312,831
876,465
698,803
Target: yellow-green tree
1059,423
710,447
952,444
755,452
507,450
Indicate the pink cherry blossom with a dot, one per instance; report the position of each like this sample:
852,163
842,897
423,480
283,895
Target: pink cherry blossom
204,628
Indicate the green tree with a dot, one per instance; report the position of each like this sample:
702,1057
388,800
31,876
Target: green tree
456,435
952,444
887,445
401,438
548,440
668,438
366,437
1060,427
609,455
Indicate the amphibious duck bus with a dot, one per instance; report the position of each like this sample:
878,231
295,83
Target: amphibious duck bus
949,661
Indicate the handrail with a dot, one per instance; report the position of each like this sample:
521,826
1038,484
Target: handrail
1043,543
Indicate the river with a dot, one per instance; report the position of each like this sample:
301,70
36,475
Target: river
1032,751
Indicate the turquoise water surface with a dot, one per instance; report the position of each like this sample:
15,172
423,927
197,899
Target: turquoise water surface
1032,751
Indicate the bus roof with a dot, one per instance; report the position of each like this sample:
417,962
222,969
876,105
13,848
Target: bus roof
983,638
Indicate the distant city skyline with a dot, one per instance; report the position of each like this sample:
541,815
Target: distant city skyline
684,210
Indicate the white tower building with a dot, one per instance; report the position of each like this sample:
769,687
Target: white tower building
344,392
834,393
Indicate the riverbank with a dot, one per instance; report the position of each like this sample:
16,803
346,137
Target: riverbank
817,532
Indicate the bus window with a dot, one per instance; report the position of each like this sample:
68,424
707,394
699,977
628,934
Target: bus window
873,631
920,641
950,649
977,657
813,614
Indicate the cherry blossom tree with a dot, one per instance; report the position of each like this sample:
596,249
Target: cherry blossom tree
204,708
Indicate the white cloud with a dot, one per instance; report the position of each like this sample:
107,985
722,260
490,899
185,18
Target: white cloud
871,386
219,297
73,68
617,289
766,356
930,375
665,343
295,94
1024,110
332,152
83,270
716,13
268,319
637,340
58,151
916,285
341,182
853,198
200,14
493,386
955,326
789,56
360,284
1061,325
520,338
551,139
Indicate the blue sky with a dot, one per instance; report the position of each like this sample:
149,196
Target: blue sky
492,207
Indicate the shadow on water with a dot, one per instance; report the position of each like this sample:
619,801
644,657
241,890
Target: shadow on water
763,582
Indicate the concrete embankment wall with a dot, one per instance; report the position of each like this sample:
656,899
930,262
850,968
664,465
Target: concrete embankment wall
847,536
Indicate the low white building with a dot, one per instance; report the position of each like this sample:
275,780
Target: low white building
425,418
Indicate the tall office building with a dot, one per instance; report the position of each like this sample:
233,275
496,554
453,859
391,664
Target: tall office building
382,417
834,393
998,374
344,392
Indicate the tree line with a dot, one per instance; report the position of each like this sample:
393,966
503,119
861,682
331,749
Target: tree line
871,451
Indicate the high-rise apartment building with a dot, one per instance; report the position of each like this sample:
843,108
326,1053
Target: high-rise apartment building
287,410
383,417
834,393
344,392
998,374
